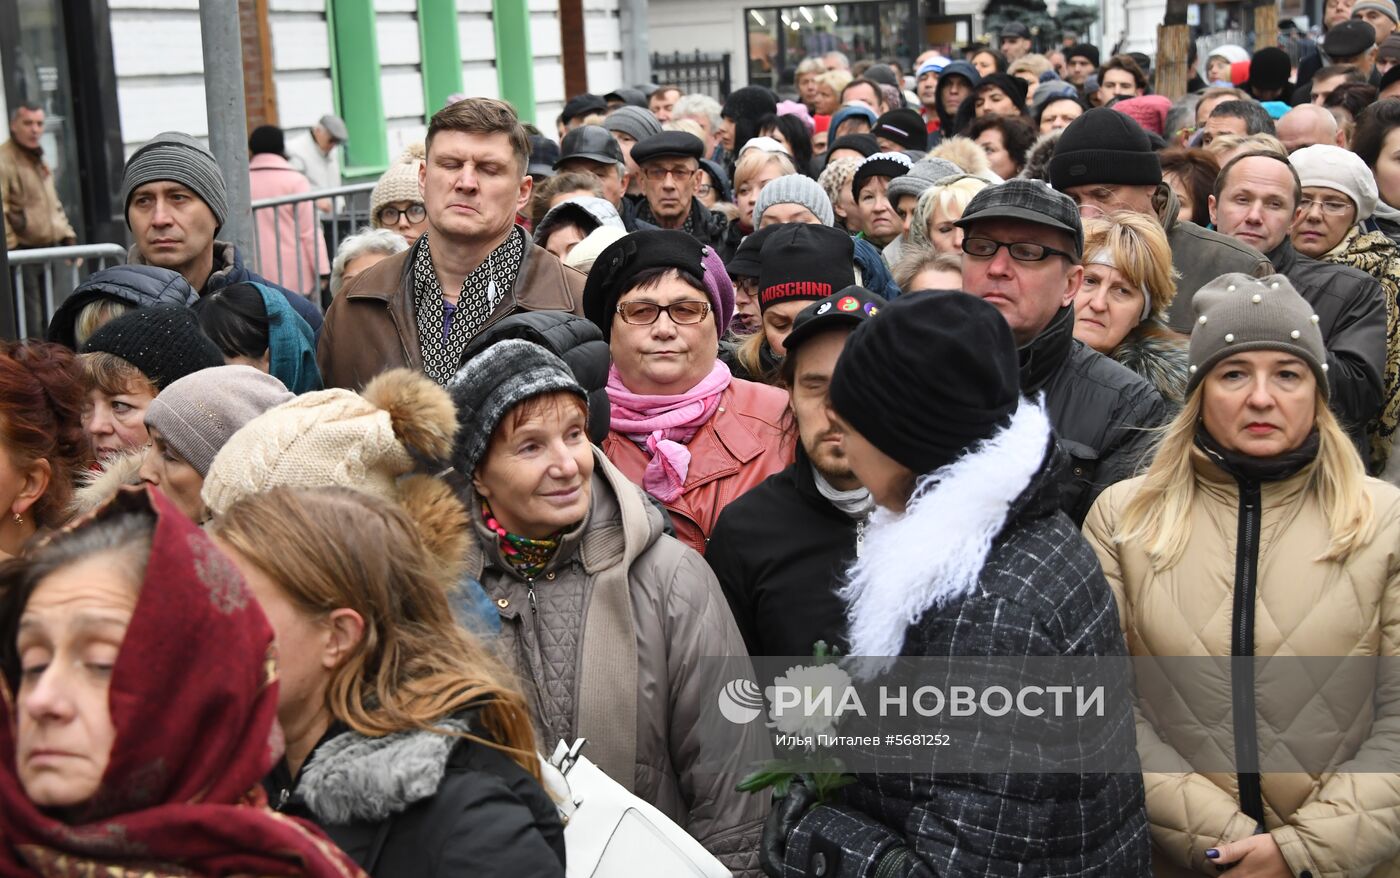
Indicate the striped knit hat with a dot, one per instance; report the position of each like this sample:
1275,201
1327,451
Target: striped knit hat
179,157
495,381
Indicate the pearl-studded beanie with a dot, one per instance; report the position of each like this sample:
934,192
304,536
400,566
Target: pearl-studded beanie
1237,313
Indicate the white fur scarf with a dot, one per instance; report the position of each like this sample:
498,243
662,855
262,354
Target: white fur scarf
933,554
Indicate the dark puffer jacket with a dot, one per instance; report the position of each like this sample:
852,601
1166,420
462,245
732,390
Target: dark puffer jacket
576,341
1350,307
1102,412
1040,593
140,286
427,804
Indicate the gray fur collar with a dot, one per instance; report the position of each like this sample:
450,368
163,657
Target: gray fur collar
352,777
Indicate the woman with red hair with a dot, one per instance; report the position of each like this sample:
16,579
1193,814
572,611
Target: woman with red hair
41,439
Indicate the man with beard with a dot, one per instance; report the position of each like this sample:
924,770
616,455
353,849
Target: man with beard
779,550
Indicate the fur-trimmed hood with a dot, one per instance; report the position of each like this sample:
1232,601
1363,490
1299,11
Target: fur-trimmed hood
1037,162
1159,356
96,487
354,777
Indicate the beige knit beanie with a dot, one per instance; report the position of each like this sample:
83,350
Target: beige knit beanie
399,182
337,437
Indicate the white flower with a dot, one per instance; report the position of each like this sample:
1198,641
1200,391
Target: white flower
807,701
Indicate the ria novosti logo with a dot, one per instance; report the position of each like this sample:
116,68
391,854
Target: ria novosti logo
741,701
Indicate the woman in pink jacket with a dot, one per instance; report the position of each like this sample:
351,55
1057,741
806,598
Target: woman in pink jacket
291,248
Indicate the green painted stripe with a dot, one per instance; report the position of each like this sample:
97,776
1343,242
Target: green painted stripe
356,86
515,61
442,54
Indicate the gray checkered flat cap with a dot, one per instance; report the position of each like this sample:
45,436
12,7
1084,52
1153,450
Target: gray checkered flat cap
1028,200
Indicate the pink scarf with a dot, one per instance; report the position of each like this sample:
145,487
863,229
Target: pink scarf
662,425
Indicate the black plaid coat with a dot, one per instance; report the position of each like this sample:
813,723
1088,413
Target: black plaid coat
1041,593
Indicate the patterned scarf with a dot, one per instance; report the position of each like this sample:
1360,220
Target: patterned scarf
1378,256
445,330
181,795
528,557
662,425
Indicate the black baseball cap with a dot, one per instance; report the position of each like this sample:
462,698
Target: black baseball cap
592,142
848,308
1031,201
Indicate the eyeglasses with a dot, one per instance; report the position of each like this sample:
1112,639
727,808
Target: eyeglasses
416,213
684,313
704,189
1021,251
656,175
1331,208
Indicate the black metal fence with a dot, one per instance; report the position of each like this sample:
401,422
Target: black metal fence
696,72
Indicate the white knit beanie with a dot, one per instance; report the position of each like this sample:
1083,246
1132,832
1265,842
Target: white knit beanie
1340,169
794,189
337,437
399,183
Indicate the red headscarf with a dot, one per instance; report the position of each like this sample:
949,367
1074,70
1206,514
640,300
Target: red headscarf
194,704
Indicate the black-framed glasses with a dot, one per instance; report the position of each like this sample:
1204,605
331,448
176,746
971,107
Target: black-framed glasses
389,215
1021,251
686,312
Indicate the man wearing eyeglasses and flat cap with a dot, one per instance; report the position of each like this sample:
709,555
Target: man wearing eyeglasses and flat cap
1022,245
669,164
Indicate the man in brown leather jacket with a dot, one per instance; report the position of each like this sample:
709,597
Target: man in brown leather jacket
471,268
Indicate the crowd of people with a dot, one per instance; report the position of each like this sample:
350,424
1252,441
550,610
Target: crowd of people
1010,357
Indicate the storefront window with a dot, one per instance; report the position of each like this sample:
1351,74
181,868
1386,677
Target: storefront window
780,37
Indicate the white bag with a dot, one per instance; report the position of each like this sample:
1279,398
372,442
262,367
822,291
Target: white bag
611,833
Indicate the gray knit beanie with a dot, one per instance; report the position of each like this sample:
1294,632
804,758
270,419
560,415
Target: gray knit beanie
632,121
179,157
1237,313
197,414
925,173
795,189
495,381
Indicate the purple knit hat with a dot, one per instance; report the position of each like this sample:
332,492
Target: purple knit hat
721,289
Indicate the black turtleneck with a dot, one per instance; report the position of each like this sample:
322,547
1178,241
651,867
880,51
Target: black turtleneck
1248,468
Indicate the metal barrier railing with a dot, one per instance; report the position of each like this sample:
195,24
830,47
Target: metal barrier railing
273,218
43,277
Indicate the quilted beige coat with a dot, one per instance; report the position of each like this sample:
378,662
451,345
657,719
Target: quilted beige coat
1327,824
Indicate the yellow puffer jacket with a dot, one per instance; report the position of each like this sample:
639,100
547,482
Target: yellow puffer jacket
1327,825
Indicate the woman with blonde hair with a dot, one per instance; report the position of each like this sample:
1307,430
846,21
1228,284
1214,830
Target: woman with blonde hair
940,206
1120,309
1256,532
407,742
828,92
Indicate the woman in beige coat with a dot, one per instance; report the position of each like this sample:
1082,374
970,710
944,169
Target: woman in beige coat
1256,533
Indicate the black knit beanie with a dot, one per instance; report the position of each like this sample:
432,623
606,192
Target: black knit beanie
165,343
1269,69
804,262
1010,86
1104,146
750,102
929,376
